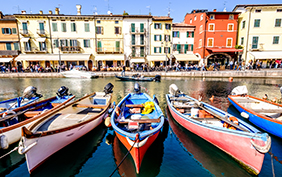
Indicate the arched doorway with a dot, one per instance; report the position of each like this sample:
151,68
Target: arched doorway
90,65
127,63
221,58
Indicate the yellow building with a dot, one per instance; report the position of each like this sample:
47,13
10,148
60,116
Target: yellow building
260,32
161,41
109,51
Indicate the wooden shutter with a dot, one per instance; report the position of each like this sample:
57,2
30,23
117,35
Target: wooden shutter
229,44
210,42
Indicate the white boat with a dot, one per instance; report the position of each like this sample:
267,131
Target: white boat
74,73
62,126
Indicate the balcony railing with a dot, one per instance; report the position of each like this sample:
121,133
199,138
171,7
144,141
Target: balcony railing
72,49
34,50
137,31
24,32
114,50
41,32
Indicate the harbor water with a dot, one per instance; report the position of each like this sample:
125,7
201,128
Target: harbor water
176,152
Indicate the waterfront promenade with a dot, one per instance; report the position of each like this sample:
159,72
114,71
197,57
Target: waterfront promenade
263,73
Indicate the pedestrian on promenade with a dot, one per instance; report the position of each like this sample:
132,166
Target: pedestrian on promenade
235,65
3,68
239,66
231,65
123,70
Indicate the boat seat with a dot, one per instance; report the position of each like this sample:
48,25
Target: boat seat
134,105
31,113
90,106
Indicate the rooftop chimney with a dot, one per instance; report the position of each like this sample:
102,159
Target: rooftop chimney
40,12
50,12
23,12
78,7
57,11
214,10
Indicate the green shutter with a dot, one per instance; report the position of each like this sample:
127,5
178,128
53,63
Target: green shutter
117,46
16,46
155,37
84,43
132,27
192,34
187,34
24,26
133,39
179,48
155,26
9,29
3,30
185,48
86,27
177,33
56,41
169,50
160,37
155,49
192,47
54,27
41,26
141,27
99,46
39,45
169,38
161,26
160,50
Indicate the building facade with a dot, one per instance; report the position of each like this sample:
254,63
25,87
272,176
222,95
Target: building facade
260,32
9,40
183,44
215,35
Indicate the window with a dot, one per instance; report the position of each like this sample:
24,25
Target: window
142,39
230,27
211,27
99,30
179,48
27,46
167,26
231,17
116,22
258,10
174,47
16,46
167,50
56,43
210,42
133,51
54,27
255,42
73,27
202,17
278,22
41,28
243,24
167,38
142,52
98,21
73,43
195,18
25,31
14,30
117,46
175,34
86,27
229,42
186,48
99,46
190,20
242,40
117,30
141,27
42,46
275,40
64,27
157,50
86,43
133,39
212,17
257,23
200,43
158,37
63,42
8,46
133,27
201,29
158,26
6,31
188,34
279,10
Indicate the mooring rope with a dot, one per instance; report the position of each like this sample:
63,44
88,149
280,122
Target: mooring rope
125,156
16,148
272,166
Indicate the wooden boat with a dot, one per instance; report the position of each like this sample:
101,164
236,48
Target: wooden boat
240,140
264,114
137,129
138,77
12,121
74,73
28,97
62,125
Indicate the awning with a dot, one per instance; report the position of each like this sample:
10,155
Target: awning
109,57
225,50
137,60
157,58
5,60
42,39
267,55
53,57
25,39
186,57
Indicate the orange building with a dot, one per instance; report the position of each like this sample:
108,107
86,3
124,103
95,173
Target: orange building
9,39
215,35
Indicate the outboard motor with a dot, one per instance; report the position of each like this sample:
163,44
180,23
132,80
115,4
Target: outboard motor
157,78
63,91
173,90
30,91
137,88
108,88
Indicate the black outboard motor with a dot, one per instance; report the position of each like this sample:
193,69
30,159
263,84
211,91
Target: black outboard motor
137,88
30,91
63,91
157,78
108,88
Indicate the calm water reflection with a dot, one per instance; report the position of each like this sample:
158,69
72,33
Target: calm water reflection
177,153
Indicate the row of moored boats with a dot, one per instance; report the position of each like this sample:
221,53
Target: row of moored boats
44,127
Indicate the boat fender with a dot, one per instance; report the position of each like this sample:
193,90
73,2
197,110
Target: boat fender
4,142
108,122
117,111
245,115
22,150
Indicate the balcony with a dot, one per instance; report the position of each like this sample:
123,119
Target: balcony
138,55
24,33
73,49
114,50
41,32
34,50
137,31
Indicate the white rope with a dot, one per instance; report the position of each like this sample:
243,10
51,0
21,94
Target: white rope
16,148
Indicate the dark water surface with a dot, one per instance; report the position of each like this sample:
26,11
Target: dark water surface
176,152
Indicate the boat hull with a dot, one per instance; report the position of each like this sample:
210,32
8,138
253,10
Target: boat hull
272,126
79,74
139,149
45,145
126,78
239,147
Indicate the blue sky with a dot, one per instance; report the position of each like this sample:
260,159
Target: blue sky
178,8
